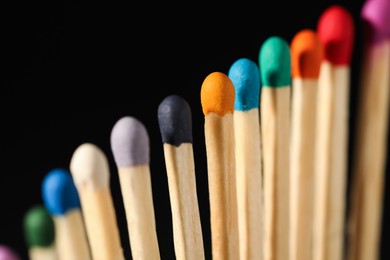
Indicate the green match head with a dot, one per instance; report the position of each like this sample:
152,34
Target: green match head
38,227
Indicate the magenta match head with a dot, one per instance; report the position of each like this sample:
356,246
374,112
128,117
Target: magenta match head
7,253
377,14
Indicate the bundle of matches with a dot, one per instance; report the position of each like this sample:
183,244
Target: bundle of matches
276,137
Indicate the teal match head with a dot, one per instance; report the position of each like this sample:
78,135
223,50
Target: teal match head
275,62
59,192
245,76
39,230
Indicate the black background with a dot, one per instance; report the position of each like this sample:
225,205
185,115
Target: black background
72,69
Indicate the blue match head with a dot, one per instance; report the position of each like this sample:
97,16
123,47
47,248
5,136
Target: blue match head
59,192
245,75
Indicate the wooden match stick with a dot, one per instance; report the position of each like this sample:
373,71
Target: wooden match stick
62,202
369,161
245,76
130,147
275,72
306,57
175,122
335,29
90,170
217,99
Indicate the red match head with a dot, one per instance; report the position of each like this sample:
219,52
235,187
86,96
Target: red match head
336,31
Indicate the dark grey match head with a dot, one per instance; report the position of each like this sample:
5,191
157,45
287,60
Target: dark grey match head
174,118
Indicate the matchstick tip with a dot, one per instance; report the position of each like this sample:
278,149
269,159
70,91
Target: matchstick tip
336,31
59,192
217,94
245,75
275,62
89,167
39,228
174,118
306,54
377,13
130,142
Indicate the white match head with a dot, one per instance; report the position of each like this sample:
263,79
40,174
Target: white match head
89,167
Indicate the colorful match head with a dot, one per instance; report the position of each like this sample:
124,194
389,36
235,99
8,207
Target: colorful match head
174,118
275,62
245,76
306,54
39,230
8,253
59,192
336,31
130,142
89,167
377,13
217,94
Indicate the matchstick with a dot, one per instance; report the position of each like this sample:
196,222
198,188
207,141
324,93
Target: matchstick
131,150
306,56
62,202
369,158
217,100
275,72
335,29
245,76
39,234
90,171
175,122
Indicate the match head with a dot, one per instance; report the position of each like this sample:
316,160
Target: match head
7,253
130,142
336,31
59,192
174,118
39,230
245,76
275,62
377,13
217,94
306,54
89,167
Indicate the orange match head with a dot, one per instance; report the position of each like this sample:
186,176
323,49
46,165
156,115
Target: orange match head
306,54
217,94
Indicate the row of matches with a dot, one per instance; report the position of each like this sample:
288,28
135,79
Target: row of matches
276,142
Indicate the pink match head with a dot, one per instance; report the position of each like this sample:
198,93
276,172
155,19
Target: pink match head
377,14
6,253
336,31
